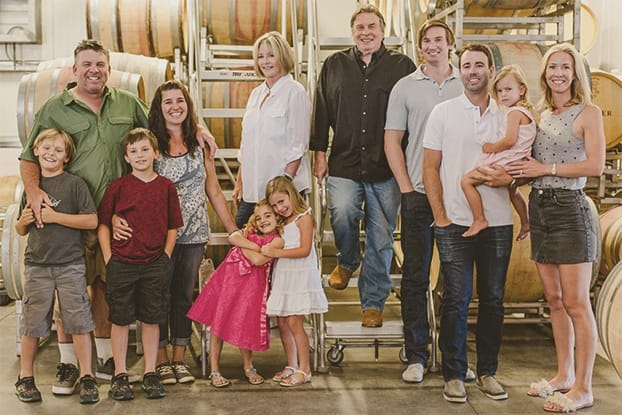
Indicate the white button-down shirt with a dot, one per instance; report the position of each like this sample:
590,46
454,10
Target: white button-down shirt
274,133
457,129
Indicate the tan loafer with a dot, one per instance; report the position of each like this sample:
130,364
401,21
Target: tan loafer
339,278
372,318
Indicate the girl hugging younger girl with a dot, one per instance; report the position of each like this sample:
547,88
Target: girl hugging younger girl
233,302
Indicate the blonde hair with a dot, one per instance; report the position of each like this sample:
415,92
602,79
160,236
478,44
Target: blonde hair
519,76
283,53
580,90
51,133
251,225
282,184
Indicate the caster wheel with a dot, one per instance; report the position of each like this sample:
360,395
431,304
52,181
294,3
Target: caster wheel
334,355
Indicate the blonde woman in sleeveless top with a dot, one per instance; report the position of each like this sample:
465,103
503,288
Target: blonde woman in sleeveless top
569,146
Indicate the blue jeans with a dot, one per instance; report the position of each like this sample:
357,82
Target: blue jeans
417,239
185,263
245,210
376,204
490,252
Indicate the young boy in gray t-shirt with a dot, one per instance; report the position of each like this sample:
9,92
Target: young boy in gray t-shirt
54,262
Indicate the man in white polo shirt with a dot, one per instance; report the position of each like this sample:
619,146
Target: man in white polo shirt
452,145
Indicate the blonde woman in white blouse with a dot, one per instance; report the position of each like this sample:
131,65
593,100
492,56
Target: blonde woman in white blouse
275,127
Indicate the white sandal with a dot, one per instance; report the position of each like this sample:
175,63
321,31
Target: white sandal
284,374
292,381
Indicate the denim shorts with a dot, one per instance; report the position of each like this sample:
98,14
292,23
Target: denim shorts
562,227
138,291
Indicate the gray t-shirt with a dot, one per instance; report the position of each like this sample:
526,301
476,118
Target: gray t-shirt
56,244
412,99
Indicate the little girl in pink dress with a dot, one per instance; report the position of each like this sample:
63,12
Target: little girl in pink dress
233,302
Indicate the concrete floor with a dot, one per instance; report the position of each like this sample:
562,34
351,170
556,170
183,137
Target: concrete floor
359,386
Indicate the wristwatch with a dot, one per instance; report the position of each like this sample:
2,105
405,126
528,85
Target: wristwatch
554,170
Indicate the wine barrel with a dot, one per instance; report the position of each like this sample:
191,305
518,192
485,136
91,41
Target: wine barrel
227,131
143,27
11,189
611,225
35,88
154,71
608,315
169,27
241,22
12,254
607,94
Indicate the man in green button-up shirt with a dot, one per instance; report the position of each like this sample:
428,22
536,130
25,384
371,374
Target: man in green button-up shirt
97,117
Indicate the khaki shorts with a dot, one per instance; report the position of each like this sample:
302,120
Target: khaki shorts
40,285
93,256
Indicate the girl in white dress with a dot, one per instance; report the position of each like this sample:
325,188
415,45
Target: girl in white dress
296,283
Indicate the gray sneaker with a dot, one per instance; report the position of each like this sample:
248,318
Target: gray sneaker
414,373
182,372
454,391
166,373
67,377
491,388
469,376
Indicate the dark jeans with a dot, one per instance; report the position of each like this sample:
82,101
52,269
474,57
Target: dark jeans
490,252
245,210
185,263
417,239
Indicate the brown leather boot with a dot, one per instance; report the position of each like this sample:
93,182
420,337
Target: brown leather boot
372,318
339,278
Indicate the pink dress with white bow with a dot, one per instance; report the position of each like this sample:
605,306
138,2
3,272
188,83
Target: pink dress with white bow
233,302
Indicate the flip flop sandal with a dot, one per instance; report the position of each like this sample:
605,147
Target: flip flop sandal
253,377
293,380
543,389
283,374
218,380
561,403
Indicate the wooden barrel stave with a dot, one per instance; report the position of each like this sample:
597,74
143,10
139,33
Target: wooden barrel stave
608,314
102,23
611,227
12,255
607,94
143,27
241,22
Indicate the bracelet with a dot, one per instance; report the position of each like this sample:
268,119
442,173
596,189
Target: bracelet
234,231
288,176
554,170
513,184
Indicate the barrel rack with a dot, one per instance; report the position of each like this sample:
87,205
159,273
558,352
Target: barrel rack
515,28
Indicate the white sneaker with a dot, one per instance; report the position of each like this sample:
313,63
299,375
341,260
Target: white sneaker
414,373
